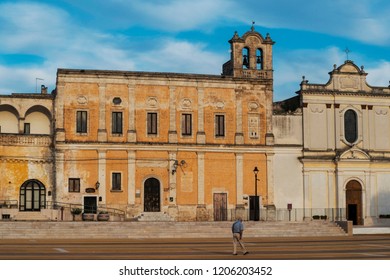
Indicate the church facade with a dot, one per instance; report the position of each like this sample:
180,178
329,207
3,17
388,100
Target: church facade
199,147
345,147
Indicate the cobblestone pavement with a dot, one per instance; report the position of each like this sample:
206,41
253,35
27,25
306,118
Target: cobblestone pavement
361,247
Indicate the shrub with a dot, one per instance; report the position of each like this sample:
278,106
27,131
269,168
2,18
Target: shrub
75,211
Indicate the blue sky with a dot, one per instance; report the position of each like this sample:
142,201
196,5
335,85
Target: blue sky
37,37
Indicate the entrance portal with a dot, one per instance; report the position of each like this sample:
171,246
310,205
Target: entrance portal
90,204
152,195
32,196
354,202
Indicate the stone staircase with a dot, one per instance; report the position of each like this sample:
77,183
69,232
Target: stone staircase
154,217
30,216
144,230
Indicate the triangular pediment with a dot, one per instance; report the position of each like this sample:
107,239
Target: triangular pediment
354,153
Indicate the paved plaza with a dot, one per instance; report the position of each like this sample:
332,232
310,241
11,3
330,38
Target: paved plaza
357,247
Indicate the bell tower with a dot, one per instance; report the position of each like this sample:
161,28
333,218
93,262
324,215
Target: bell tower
251,56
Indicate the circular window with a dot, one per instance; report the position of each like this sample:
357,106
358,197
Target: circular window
117,101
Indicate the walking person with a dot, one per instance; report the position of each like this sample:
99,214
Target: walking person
237,230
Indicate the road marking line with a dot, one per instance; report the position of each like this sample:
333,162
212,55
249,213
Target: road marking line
61,250
372,255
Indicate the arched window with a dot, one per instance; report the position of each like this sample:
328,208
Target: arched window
350,126
259,59
245,58
32,196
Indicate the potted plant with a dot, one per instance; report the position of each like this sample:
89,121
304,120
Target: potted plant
103,216
75,212
88,216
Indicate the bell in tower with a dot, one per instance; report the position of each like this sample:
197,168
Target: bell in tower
251,56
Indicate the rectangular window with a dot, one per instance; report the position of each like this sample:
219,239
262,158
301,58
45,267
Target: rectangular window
219,125
186,124
116,181
81,122
117,122
152,123
26,129
74,185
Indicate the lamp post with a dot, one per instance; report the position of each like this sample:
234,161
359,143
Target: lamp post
255,171
256,197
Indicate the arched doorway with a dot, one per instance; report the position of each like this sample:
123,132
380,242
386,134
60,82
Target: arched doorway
32,196
354,202
152,195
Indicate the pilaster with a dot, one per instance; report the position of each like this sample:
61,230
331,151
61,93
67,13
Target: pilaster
201,176
270,179
172,134
59,112
172,180
102,175
131,177
102,131
131,132
239,180
239,137
201,136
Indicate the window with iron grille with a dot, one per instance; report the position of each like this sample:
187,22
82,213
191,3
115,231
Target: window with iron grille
186,124
81,122
219,125
152,123
117,122
116,181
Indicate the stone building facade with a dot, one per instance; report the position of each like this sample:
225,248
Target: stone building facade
185,146
26,152
181,144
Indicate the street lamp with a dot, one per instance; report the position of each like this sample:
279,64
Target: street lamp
255,202
256,171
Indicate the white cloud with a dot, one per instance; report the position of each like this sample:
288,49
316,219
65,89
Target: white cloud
290,66
378,74
365,21
181,56
165,15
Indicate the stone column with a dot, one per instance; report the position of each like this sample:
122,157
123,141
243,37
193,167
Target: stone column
102,131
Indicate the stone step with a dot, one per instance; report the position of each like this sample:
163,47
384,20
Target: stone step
37,229
154,216
30,216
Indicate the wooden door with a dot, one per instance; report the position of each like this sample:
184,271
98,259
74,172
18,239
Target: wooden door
220,207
